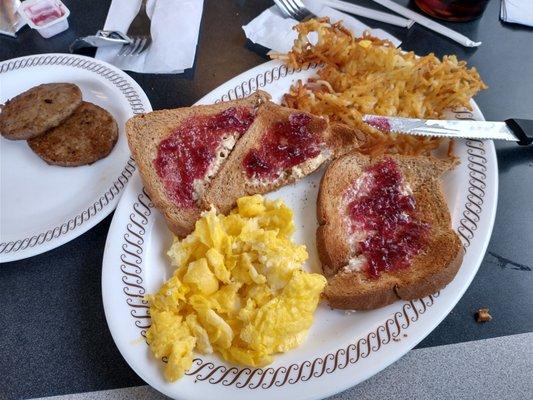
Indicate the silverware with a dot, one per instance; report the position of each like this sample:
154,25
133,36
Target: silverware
369,13
294,9
518,130
297,10
139,33
427,22
101,39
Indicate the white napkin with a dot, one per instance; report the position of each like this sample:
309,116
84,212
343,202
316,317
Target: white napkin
175,26
274,31
517,11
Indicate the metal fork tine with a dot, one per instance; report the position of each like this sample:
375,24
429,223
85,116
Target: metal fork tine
300,12
147,44
135,46
293,4
131,47
138,49
283,7
141,47
294,9
123,49
128,49
290,6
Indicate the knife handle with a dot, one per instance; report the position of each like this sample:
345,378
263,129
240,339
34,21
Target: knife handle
522,128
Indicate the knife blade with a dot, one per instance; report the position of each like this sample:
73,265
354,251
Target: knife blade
517,130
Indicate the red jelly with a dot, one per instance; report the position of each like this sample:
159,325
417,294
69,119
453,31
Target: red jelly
284,146
46,16
379,123
42,12
384,209
188,152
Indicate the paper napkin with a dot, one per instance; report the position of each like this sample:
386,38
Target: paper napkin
517,11
274,31
175,27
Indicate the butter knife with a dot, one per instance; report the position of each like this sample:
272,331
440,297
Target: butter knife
517,130
101,39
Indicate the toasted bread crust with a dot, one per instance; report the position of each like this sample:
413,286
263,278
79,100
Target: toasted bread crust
32,113
232,181
351,291
430,270
146,131
229,181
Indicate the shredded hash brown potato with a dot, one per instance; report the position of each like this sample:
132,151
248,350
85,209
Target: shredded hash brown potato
366,75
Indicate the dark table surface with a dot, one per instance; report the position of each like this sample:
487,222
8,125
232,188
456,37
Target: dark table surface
53,335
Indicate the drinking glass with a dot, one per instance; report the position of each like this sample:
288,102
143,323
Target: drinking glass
453,10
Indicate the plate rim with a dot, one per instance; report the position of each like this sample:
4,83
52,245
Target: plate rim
106,202
465,229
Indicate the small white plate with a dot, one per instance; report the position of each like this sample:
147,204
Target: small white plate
44,206
342,349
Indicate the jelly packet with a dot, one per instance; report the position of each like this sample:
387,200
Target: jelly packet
48,17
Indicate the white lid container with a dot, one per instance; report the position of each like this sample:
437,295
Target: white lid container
48,17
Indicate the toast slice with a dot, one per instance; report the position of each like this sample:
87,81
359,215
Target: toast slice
157,138
385,230
281,147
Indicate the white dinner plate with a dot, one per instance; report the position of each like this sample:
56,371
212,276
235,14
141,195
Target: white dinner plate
342,349
44,206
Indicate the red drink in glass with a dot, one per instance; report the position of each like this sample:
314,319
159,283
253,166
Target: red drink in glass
453,10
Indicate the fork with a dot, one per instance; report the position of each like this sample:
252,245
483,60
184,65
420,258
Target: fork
139,33
297,10
294,9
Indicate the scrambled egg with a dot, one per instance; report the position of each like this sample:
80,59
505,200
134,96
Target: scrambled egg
238,289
